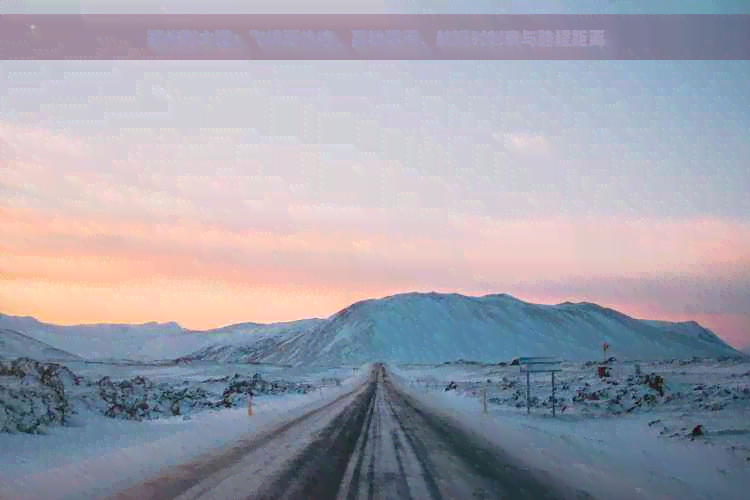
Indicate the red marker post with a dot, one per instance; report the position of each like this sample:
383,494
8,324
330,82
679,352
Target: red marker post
249,403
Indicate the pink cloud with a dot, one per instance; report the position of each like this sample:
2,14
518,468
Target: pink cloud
107,212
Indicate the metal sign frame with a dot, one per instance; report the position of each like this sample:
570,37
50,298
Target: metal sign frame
539,364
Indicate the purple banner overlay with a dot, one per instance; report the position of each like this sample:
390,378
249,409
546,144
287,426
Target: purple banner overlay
375,37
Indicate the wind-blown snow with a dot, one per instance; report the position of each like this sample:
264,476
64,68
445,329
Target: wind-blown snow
406,328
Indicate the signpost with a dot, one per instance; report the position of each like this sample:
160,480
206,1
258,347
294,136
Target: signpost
540,364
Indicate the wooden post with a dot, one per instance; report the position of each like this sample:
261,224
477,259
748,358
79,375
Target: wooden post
528,392
553,394
484,399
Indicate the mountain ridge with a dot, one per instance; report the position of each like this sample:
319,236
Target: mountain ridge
373,329
406,327
15,344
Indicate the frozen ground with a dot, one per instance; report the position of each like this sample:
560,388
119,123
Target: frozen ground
96,454
614,453
199,371
651,445
36,396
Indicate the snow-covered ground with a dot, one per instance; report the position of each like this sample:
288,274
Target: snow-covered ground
14,344
36,395
645,453
198,371
96,454
640,446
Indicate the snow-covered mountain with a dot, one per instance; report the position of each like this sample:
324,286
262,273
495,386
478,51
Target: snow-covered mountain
14,344
101,340
144,342
431,328
404,328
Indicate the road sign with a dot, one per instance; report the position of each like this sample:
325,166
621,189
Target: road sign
539,364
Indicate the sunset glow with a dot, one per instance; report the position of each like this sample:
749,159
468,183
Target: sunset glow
124,200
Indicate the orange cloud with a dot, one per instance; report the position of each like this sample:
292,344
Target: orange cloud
500,251
143,268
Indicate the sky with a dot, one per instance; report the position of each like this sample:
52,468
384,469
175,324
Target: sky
212,192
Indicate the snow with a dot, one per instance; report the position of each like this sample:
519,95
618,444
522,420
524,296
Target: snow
645,454
14,344
102,455
413,327
431,328
626,441
609,456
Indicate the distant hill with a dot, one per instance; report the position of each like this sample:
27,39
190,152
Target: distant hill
404,328
17,345
141,342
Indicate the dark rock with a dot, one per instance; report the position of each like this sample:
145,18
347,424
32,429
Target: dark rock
655,382
40,400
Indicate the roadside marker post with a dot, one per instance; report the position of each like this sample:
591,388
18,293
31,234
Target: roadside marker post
540,364
249,405
484,399
553,394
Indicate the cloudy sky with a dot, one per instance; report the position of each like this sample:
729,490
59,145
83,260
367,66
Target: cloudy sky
214,192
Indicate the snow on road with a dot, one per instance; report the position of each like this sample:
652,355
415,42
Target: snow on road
608,457
102,455
383,448
253,470
369,444
619,457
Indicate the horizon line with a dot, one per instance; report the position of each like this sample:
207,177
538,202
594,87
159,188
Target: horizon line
241,322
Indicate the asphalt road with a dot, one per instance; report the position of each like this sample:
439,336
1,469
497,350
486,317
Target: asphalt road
373,443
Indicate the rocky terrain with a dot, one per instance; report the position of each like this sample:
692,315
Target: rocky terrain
35,395
689,399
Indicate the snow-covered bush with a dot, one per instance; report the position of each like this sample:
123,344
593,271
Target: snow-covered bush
33,395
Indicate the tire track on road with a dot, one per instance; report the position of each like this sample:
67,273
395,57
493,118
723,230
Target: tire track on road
500,475
317,473
187,476
421,453
382,467
373,443
361,445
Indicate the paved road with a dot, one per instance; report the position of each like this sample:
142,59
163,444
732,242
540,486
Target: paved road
371,444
